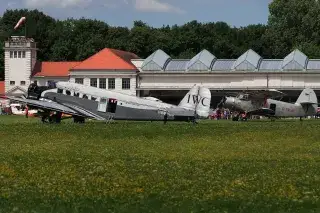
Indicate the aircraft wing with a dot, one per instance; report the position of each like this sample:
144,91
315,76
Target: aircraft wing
54,106
85,112
262,94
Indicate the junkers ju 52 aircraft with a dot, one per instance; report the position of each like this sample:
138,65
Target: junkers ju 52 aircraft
81,102
262,103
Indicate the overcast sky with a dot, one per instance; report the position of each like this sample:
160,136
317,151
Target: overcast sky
154,12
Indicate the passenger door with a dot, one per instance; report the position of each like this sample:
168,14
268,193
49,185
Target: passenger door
102,105
112,105
273,107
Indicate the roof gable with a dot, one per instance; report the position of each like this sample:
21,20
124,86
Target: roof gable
53,69
157,61
248,61
296,60
16,90
108,59
202,61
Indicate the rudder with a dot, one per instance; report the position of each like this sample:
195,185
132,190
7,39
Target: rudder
307,96
203,107
197,99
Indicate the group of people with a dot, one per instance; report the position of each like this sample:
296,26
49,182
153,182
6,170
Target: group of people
227,114
5,110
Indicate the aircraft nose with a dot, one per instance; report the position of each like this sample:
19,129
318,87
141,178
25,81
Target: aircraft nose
229,102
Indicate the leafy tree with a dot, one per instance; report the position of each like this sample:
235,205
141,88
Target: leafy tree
292,24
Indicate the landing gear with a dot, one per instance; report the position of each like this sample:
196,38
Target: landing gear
48,117
78,119
165,118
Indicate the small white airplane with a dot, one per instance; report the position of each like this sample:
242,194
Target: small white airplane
81,102
261,102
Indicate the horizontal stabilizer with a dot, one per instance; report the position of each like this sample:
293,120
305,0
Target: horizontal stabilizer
308,102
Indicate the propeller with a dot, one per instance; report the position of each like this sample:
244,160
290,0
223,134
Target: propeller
265,103
222,102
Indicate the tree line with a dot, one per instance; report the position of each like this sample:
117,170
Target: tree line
291,24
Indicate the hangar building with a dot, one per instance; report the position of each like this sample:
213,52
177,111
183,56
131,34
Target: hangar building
160,75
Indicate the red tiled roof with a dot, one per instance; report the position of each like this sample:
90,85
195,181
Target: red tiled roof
108,59
53,69
2,89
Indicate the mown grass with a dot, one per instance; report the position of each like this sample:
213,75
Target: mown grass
150,167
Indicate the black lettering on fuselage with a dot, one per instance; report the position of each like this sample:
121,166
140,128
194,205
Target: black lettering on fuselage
202,102
196,99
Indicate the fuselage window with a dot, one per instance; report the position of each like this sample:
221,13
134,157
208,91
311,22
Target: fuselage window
68,92
60,91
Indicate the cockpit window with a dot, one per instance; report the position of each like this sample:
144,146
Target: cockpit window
243,96
52,84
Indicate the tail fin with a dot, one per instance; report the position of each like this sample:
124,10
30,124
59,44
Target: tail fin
190,99
197,99
203,107
307,96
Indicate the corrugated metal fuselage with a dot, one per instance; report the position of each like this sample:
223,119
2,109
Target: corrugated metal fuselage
121,110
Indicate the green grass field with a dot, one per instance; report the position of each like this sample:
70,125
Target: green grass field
216,166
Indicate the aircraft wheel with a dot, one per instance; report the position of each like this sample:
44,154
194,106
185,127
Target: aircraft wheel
77,119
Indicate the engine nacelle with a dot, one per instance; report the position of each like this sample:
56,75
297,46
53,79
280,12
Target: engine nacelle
35,91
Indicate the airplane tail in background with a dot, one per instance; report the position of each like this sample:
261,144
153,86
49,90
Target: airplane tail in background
307,96
198,99
309,101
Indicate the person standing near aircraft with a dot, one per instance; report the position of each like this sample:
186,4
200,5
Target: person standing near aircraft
27,111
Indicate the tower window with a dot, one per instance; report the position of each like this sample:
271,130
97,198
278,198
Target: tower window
111,83
126,83
15,54
11,54
22,83
23,54
102,83
12,83
19,54
93,82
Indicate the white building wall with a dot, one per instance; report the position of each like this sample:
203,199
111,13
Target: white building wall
107,74
17,70
18,67
229,80
43,81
